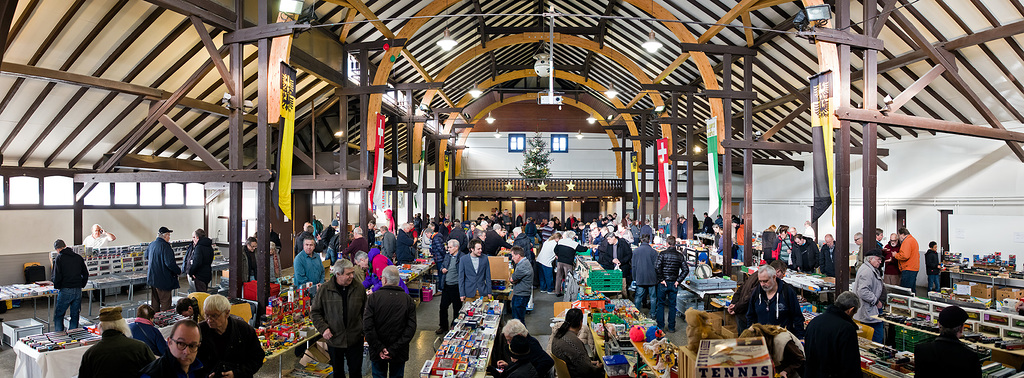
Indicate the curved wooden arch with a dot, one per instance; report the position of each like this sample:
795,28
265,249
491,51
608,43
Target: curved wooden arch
533,97
656,11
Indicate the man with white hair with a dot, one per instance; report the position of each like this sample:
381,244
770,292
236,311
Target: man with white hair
230,345
540,359
450,292
775,303
358,243
98,238
389,323
495,241
116,354
388,242
405,253
869,288
362,263
337,312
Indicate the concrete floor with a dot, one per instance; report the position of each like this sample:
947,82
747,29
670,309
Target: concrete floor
422,348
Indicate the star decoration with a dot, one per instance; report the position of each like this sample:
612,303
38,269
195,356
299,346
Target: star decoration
570,186
508,187
542,187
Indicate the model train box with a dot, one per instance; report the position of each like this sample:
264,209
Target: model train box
746,357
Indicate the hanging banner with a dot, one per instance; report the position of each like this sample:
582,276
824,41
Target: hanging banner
377,200
822,139
284,165
280,52
445,176
634,165
418,176
714,186
663,164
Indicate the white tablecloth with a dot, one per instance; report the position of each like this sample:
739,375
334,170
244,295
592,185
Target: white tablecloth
62,363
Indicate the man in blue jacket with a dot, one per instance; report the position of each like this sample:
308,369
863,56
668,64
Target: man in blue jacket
308,267
163,271
775,303
474,273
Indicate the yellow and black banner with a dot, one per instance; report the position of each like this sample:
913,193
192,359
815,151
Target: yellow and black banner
634,165
285,152
822,109
446,177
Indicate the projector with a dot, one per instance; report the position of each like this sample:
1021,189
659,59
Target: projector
545,99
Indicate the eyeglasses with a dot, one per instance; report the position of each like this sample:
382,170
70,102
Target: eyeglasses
181,345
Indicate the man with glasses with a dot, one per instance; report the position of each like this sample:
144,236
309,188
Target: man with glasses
116,354
183,345
230,345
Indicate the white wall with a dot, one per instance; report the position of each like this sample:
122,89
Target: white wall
590,157
35,230
1002,233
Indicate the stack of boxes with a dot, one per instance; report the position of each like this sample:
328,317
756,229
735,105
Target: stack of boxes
466,346
60,340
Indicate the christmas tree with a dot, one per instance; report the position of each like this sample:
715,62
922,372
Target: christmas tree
536,159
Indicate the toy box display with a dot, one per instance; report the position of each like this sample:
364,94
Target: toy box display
744,357
166,318
73,338
287,320
466,348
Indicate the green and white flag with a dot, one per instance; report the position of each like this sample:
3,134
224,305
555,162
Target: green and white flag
714,194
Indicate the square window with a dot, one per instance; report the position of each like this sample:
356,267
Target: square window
126,193
151,194
24,190
516,142
99,195
174,194
58,191
195,194
559,142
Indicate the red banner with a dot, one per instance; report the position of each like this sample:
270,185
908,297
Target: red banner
664,170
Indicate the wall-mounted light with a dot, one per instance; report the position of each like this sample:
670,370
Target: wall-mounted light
447,43
659,108
497,134
611,92
475,92
652,45
816,15
579,135
489,119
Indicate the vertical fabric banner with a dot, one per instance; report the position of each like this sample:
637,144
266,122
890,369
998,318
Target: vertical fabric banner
418,175
663,166
822,139
634,166
377,200
284,165
445,175
714,184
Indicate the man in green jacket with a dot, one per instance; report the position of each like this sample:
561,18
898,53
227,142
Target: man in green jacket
117,354
337,312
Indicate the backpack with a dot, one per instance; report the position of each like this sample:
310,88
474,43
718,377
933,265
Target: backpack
34,272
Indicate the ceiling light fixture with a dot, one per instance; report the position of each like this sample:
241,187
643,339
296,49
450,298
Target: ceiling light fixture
489,119
579,135
447,43
475,92
611,92
338,134
652,45
696,149
591,120
497,134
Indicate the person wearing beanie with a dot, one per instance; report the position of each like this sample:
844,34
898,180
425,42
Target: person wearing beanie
69,276
947,356
116,354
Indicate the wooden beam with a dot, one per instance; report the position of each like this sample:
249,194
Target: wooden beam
191,143
327,182
215,55
861,115
916,88
785,121
254,175
7,9
585,30
150,162
249,35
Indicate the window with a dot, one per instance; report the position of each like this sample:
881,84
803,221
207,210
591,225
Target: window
559,142
151,194
195,194
1,190
516,142
58,191
99,195
174,194
353,68
24,190
126,193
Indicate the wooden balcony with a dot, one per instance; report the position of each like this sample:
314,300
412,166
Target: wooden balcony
504,188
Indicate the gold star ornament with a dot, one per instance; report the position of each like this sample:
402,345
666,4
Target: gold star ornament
543,187
570,186
508,187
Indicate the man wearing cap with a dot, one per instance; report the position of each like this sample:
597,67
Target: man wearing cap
868,287
163,271
116,354
946,356
831,341
183,345
69,276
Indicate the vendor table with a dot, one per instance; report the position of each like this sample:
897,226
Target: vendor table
991,280
1011,357
48,295
490,328
53,364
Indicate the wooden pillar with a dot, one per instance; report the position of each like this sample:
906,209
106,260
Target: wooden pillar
870,138
748,162
642,160
79,233
263,203
689,173
343,162
364,156
235,162
726,171
673,194
842,204
563,214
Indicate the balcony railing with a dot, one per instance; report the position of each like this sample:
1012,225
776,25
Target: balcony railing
538,188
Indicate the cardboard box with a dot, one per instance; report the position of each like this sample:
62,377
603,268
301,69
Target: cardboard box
981,291
1004,293
963,288
734,358
499,267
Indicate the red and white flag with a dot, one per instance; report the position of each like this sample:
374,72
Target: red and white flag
664,170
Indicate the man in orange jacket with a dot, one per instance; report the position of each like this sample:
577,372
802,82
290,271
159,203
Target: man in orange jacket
909,258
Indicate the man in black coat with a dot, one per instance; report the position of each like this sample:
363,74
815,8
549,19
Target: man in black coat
389,324
494,241
117,354
457,233
830,342
612,253
198,261
808,253
826,256
946,356
69,276
229,343
708,225
405,252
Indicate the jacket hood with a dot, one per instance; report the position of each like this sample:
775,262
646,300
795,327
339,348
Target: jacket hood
67,250
205,241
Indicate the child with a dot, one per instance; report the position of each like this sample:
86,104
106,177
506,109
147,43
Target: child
931,260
